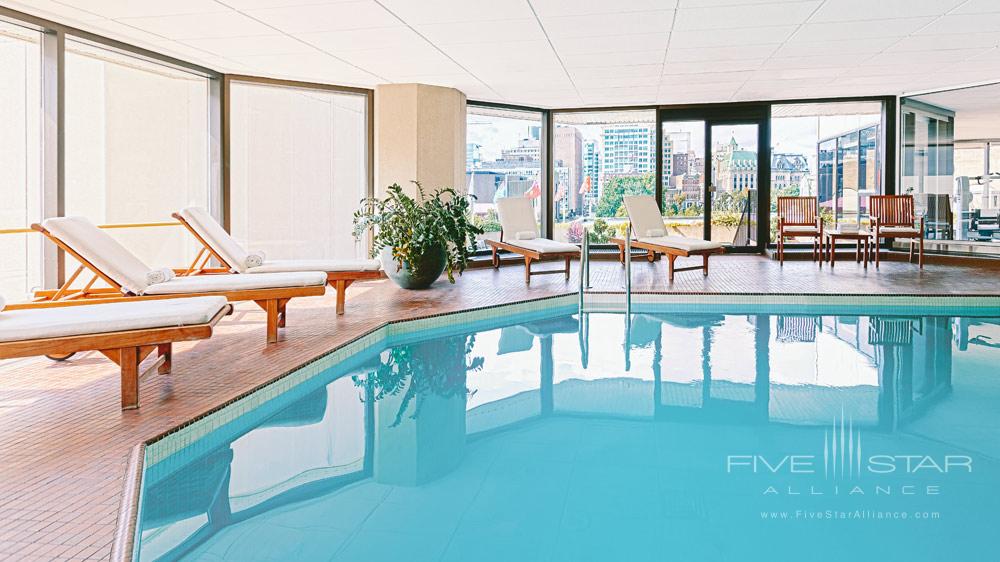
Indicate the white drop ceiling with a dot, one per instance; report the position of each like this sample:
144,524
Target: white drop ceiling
568,53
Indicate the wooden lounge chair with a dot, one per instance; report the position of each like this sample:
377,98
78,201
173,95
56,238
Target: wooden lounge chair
649,233
217,243
517,224
128,278
124,332
798,217
892,216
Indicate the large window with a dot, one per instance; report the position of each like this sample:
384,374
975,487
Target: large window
502,159
20,159
599,157
137,148
299,170
830,151
951,151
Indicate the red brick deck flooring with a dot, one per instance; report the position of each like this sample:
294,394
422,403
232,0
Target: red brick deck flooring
64,443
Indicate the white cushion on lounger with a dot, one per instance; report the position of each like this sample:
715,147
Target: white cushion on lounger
236,282
100,249
62,321
272,266
215,236
517,217
900,230
544,245
682,243
643,214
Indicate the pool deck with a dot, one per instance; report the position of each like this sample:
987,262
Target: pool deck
64,443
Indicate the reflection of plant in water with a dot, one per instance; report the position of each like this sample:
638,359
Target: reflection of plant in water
436,367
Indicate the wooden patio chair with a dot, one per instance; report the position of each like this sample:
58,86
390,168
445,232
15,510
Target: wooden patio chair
892,216
124,332
128,278
798,217
217,243
517,224
649,233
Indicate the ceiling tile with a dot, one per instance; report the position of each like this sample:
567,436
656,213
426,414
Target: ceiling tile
963,23
977,7
608,24
614,59
259,4
720,53
675,67
317,67
812,73
506,30
132,9
327,17
920,42
747,36
545,8
256,45
398,37
813,32
922,57
836,48
196,26
855,10
631,71
708,77
450,11
759,15
585,45
56,11
383,62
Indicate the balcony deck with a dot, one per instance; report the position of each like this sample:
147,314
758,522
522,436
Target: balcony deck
64,443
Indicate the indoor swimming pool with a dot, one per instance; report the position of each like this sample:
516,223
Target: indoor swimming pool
694,433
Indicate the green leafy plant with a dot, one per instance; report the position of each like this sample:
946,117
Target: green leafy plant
412,227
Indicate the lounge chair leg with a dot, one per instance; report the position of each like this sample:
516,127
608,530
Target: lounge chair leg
621,254
781,249
271,307
341,287
567,268
128,360
281,312
527,270
910,257
705,264
165,350
670,266
921,258
496,258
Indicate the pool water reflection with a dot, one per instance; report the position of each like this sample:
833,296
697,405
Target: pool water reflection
662,436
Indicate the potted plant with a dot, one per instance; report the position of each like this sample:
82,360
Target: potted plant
420,237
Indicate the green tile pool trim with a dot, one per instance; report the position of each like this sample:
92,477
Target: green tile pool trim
186,434
907,301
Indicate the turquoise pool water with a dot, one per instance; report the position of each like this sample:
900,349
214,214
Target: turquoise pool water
674,434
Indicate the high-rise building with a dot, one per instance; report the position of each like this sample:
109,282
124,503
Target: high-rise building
567,151
628,149
592,170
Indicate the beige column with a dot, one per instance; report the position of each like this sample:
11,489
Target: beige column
419,135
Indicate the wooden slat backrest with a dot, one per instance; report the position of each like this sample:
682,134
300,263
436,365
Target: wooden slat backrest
798,211
892,210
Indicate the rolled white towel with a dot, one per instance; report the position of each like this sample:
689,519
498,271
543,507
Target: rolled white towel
255,259
161,275
525,235
655,233
2,303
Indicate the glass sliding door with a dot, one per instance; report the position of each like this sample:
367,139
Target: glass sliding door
683,201
710,176
732,194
